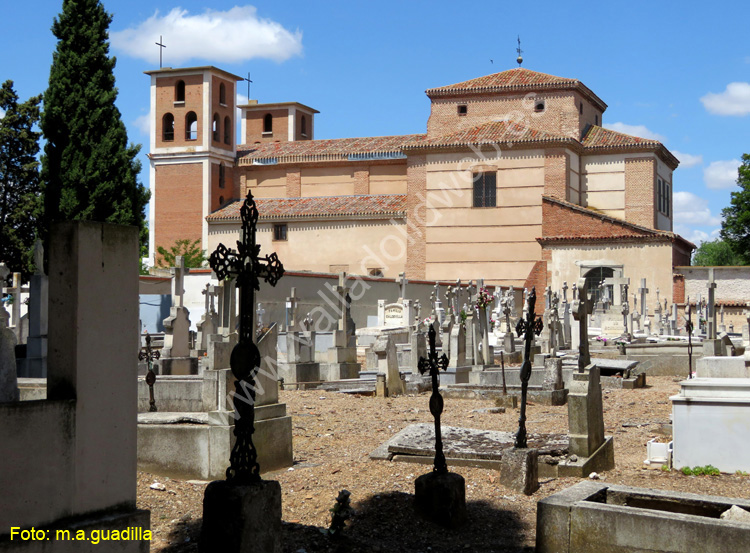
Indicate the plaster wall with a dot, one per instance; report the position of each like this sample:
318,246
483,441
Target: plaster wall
652,261
325,181
732,283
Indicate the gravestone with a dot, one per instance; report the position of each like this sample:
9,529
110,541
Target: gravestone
580,333
387,364
342,357
176,358
291,311
645,322
8,379
711,346
589,449
300,363
565,319
209,323
35,364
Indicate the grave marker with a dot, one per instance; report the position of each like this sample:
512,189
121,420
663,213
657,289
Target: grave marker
526,327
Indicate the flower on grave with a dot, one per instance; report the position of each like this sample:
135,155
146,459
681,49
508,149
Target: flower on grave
427,321
463,316
484,298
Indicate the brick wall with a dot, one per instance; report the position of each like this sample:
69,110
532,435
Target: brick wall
560,220
560,114
293,182
223,111
556,173
165,103
362,181
678,288
178,196
538,278
416,251
640,179
254,126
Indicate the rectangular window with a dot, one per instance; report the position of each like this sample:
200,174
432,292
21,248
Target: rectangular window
666,198
662,194
462,109
485,190
279,232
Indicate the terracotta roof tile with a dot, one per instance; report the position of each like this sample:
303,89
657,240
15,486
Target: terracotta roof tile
598,137
318,207
489,133
337,148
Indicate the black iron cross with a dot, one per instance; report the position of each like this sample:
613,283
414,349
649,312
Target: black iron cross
526,328
248,85
150,355
161,48
248,268
433,363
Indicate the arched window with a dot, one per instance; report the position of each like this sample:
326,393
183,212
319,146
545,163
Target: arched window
179,91
191,126
594,278
222,94
215,128
167,127
268,123
303,126
221,201
227,130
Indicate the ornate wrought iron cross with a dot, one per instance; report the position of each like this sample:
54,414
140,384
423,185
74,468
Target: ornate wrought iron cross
248,268
433,363
150,355
527,328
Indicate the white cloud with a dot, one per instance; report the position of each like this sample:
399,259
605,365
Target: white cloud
697,236
687,160
690,209
230,36
735,100
721,174
635,130
143,123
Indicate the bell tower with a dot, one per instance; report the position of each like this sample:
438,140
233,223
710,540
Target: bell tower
192,151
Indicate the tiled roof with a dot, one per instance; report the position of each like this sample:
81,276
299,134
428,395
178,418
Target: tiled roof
489,133
598,137
318,207
337,148
518,79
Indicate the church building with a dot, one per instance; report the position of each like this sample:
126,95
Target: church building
515,181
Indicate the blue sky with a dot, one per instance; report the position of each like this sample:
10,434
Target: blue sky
675,71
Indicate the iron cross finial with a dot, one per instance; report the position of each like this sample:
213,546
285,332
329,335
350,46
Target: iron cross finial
161,46
519,59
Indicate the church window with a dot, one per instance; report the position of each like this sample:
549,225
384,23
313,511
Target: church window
268,123
485,190
580,108
222,176
596,119
462,109
221,200
191,126
376,272
227,130
539,106
216,130
303,126
594,278
662,195
222,94
279,232
179,91
167,124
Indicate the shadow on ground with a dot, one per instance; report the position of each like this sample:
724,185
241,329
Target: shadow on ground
388,522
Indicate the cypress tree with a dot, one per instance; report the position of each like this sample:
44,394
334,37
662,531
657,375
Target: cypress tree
89,172
19,179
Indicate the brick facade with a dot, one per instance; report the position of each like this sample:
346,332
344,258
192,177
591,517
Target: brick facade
640,190
362,181
416,257
564,220
537,279
556,173
178,197
293,182
678,288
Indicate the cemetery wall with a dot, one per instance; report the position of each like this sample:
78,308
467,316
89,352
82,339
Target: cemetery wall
732,283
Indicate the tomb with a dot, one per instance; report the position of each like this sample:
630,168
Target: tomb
592,517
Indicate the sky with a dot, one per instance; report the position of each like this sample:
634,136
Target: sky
675,71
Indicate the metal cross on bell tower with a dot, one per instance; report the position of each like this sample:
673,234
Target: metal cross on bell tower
248,268
433,364
161,46
519,59
527,328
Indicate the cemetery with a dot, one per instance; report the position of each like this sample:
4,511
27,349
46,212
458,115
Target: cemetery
533,428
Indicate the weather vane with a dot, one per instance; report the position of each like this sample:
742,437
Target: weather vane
519,59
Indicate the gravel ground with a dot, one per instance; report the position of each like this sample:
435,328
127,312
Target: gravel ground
334,434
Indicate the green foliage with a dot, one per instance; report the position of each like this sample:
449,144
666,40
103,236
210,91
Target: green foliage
89,172
735,229
716,253
193,255
708,470
340,513
666,468
742,473
20,201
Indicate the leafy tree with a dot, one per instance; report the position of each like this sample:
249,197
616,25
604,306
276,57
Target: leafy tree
89,172
192,253
716,253
19,179
735,229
